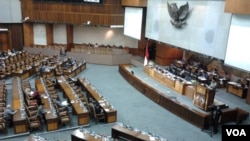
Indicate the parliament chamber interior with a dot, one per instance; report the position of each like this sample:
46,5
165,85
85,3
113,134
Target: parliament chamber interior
126,70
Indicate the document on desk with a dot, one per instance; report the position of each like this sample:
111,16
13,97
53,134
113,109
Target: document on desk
64,103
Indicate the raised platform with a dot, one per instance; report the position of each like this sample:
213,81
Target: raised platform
189,113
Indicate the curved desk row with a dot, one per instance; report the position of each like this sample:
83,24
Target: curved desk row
104,59
78,109
195,117
110,112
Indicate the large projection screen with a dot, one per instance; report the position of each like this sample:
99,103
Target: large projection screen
238,46
206,31
10,11
133,22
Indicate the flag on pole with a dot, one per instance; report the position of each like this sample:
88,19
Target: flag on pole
146,55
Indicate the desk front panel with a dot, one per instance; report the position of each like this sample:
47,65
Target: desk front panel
52,124
19,123
110,112
236,90
111,116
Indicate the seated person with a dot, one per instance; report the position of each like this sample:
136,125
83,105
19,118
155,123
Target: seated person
188,77
13,50
72,61
204,74
37,97
9,52
8,115
42,69
96,45
41,112
244,83
98,109
182,73
2,64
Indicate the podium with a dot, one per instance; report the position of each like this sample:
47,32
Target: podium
203,97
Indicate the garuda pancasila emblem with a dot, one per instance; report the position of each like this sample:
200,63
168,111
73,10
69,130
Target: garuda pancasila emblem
178,15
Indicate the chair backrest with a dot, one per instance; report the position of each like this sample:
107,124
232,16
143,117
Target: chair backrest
99,115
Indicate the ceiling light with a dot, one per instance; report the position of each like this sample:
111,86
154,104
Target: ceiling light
116,26
3,29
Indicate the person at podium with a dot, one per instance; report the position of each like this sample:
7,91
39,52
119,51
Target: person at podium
212,84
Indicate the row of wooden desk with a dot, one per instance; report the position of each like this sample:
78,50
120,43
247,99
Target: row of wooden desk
110,112
19,118
71,71
74,70
51,116
237,89
195,117
117,132
201,95
78,109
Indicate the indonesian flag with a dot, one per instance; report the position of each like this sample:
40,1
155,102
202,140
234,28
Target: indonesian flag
146,55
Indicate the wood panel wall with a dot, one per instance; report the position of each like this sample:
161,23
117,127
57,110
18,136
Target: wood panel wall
28,34
4,43
110,12
237,6
13,38
69,30
49,34
143,42
135,3
166,54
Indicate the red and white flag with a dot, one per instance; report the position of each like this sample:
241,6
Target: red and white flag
146,55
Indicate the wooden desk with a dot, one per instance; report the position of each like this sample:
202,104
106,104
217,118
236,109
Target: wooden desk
193,116
74,70
23,74
236,89
110,112
129,134
167,80
196,118
81,112
48,74
19,123
19,119
79,135
35,138
51,118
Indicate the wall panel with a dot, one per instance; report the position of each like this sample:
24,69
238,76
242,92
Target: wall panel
237,6
46,11
28,34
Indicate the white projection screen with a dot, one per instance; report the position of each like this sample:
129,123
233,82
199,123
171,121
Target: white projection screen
133,22
238,46
10,11
205,32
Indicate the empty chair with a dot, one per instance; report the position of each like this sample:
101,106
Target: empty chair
2,125
31,111
97,115
63,114
33,123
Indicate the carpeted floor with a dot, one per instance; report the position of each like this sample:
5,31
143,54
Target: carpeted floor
133,109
